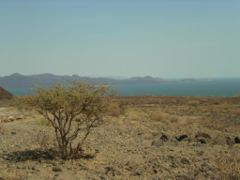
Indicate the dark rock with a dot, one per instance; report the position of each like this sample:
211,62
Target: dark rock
13,133
185,161
137,173
56,169
202,135
164,138
202,140
110,171
159,142
155,171
182,137
52,163
237,140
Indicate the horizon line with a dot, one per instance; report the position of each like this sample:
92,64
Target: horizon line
118,77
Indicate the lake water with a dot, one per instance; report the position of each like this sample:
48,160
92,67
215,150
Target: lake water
221,87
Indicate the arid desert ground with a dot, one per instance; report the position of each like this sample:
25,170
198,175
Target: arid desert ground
146,138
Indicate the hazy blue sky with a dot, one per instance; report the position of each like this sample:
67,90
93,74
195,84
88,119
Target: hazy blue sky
164,38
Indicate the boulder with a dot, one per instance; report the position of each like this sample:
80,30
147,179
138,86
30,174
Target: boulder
182,137
203,138
237,140
159,142
202,135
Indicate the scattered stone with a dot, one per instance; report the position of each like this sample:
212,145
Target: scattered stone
10,119
155,171
202,140
185,161
56,169
182,137
159,142
111,171
52,163
19,117
237,140
137,173
164,138
229,141
202,135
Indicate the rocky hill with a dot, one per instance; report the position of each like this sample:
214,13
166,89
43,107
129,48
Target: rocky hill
4,94
25,81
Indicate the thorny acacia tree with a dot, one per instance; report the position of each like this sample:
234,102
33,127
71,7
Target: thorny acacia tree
72,111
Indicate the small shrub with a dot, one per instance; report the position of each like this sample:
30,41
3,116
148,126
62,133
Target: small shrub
72,111
116,109
162,116
158,116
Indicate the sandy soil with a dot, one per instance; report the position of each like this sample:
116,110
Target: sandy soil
156,138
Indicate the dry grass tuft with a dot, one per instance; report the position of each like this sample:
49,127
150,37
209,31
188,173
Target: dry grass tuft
44,122
229,165
11,174
162,116
43,141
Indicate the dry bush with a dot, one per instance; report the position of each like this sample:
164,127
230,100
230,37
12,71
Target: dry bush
158,116
72,111
162,116
116,109
229,165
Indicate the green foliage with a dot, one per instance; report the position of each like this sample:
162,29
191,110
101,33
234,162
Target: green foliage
72,111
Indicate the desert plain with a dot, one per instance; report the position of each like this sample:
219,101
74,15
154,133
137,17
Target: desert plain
150,138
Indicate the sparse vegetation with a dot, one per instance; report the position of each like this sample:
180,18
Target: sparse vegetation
229,165
72,112
1,128
43,141
168,137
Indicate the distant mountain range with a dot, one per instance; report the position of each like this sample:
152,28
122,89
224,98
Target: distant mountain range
27,81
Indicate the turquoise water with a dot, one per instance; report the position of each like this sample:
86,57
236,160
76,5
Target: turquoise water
228,87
